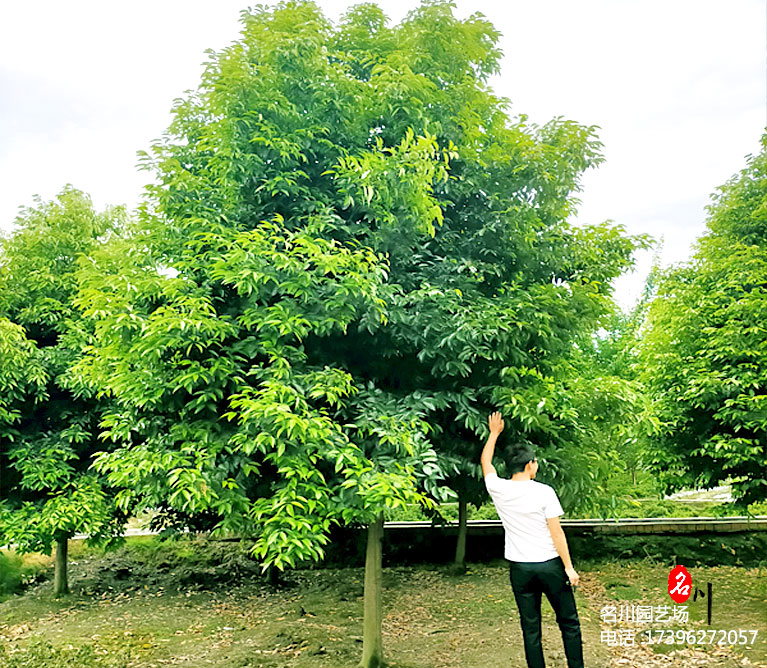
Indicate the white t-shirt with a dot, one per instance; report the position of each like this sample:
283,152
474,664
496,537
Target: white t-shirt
523,506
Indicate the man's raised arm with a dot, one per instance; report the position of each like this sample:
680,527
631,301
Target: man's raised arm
495,422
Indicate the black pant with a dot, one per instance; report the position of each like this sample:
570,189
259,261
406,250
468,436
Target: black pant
528,580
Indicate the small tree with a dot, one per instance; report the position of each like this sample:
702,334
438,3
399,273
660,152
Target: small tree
49,491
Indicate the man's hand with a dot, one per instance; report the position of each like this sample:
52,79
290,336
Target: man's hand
573,577
495,421
496,427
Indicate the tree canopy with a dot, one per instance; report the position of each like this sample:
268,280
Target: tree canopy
349,249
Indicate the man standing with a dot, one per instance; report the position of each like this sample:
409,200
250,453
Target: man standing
536,547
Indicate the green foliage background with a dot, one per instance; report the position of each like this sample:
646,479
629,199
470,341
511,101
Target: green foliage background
704,349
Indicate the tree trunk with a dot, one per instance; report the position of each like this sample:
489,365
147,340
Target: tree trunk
460,547
60,579
273,576
372,643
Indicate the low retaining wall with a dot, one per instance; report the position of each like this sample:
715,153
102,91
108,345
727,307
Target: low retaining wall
693,541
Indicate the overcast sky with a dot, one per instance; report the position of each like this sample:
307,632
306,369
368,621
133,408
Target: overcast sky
676,86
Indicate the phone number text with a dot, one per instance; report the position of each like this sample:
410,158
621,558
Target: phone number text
700,637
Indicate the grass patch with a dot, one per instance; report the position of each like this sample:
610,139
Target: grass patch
42,654
17,572
622,590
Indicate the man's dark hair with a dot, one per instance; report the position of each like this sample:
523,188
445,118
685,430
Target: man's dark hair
517,455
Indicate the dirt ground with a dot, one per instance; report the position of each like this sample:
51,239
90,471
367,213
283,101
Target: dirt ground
433,618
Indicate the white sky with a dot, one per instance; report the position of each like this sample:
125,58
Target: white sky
676,86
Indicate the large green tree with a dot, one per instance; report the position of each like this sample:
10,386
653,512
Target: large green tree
349,250
704,350
47,439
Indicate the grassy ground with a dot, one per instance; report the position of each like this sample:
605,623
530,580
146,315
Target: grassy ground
185,605
739,602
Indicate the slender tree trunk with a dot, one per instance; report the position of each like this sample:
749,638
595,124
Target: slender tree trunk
372,642
634,476
273,576
460,547
60,579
